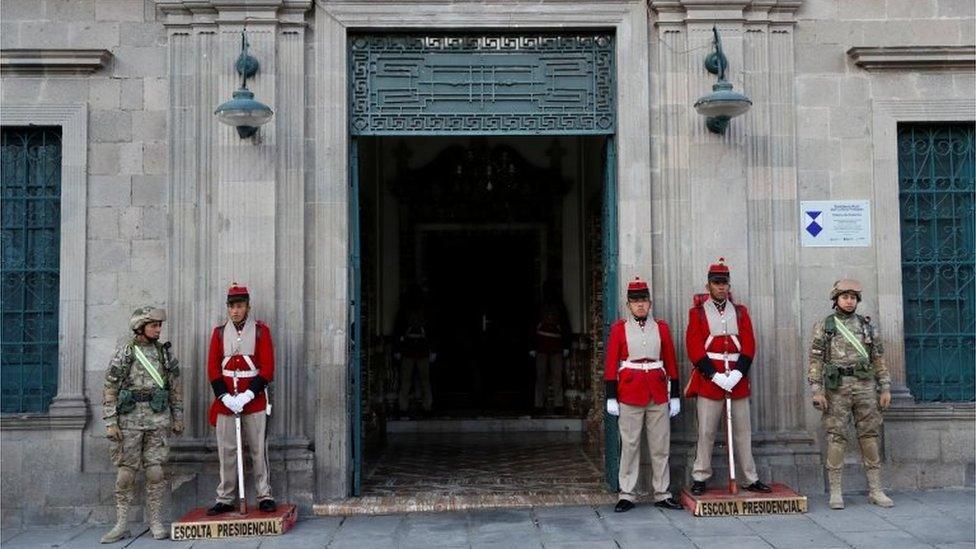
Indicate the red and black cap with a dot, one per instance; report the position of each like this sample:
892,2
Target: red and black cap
237,293
719,272
637,289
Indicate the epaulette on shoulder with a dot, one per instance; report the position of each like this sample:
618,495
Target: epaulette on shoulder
830,325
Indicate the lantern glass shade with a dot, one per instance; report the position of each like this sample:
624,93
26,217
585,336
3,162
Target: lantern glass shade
723,102
244,111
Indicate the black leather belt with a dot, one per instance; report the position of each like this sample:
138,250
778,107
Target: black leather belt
846,370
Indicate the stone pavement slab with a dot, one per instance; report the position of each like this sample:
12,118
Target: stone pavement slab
891,539
730,542
943,519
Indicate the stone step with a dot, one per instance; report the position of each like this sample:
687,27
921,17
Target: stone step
440,502
487,425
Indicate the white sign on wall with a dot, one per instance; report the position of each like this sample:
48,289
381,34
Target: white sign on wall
841,223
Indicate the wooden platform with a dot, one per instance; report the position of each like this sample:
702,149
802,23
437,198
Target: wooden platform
197,525
720,503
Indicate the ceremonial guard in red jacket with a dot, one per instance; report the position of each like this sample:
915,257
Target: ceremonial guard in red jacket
239,367
641,377
721,346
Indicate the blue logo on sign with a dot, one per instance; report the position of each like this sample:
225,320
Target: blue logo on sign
814,227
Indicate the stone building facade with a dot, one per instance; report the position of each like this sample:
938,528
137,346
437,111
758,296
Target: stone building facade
161,204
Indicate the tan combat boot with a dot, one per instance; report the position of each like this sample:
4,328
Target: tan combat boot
875,494
154,508
836,495
124,484
155,486
121,528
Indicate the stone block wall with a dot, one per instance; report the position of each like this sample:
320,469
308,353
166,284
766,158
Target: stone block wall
813,88
838,106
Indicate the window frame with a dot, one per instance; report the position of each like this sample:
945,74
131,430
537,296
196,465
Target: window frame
69,409
887,114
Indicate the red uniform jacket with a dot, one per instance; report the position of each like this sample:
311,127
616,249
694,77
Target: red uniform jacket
263,359
636,387
695,337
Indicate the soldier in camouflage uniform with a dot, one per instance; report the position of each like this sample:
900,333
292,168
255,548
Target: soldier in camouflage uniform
142,403
847,372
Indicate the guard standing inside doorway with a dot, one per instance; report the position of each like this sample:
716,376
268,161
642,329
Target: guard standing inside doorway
721,346
412,347
641,378
552,339
240,367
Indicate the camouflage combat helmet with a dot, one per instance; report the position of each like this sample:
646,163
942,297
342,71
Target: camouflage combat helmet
845,285
144,315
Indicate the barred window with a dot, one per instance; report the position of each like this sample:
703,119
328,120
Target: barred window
30,200
936,196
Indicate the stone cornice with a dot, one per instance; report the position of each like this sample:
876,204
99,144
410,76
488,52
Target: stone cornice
683,11
914,57
46,61
251,12
937,411
68,416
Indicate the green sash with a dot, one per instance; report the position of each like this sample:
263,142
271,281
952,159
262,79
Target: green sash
148,366
851,338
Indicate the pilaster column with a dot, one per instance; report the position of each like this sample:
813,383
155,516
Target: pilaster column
237,204
731,195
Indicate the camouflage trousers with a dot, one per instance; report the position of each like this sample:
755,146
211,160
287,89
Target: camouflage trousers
139,449
858,398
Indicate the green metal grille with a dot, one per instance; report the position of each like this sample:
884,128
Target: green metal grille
482,84
936,194
30,200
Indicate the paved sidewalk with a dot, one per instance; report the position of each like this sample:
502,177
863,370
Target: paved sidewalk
943,518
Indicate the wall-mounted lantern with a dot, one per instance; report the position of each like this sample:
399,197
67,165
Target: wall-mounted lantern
243,111
723,103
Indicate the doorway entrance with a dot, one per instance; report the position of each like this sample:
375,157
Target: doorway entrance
480,233
482,239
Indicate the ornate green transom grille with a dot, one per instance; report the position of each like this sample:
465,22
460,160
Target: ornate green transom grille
936,192
529,84
30,200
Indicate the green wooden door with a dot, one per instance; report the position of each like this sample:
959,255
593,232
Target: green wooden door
936,193
30,200
611,447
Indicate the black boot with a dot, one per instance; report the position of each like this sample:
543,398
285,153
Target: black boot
267,505
669,503
623,506
219,509
698,487
759,487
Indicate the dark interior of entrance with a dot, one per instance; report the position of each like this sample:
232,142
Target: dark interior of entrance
473,239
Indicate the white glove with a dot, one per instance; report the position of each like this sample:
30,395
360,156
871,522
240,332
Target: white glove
245,397
432,357
736,377
674,406
723,381
613,407
532,354
565,353
232,402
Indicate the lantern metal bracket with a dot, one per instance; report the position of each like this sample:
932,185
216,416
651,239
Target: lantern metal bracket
247,65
